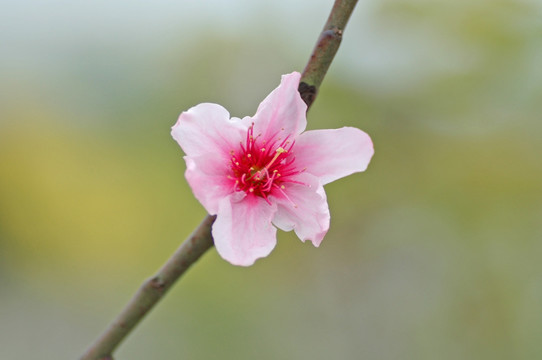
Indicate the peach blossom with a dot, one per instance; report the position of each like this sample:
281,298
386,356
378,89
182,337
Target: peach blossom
263,172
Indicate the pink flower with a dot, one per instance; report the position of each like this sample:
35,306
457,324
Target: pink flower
261,171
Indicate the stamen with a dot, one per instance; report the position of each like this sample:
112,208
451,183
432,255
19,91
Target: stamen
299,182
270,180
266,199
263,166
280,188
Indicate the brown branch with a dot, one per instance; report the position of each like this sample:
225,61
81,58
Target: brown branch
152,290
325,50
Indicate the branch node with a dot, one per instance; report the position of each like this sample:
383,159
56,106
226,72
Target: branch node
157,284
333,33
307,92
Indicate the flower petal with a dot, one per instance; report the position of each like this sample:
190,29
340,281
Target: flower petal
242,231
208,178
282,113
304,209
333,154
207,128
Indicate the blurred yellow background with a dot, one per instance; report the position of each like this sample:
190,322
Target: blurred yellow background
433,253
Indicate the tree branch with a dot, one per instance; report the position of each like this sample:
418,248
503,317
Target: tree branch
325,50
153,289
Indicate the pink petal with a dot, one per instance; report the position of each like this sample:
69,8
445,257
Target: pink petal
242,231
304,209
333,154
208,178
282,112
207,128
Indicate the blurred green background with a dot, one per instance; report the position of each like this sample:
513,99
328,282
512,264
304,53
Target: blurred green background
434,252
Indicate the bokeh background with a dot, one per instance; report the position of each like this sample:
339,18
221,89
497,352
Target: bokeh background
434,252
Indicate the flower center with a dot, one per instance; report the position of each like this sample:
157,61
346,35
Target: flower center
261,167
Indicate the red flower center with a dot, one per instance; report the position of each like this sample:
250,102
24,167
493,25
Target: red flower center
262,167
